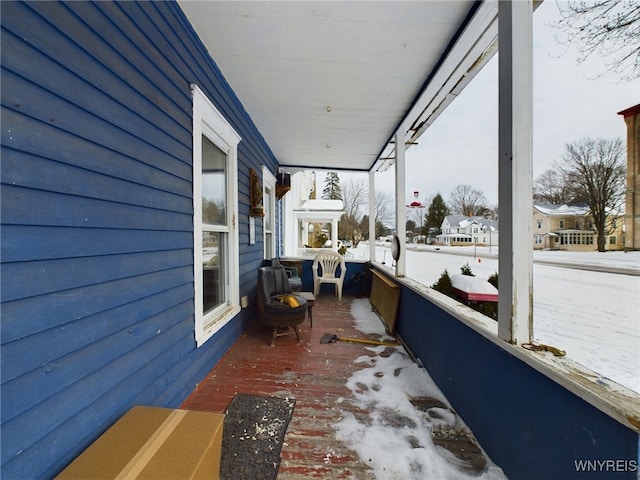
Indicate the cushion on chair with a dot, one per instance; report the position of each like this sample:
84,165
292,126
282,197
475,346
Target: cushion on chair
288,299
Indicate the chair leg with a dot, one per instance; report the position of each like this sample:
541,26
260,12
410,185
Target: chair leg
273,337
295,327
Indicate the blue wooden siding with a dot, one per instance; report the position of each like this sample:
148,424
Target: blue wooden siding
97,239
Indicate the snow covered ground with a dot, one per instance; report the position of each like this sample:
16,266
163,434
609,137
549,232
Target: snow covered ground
592,315
395,439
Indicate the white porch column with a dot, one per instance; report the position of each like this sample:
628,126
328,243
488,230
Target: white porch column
334,234
401,212
304,233
372,215
515,185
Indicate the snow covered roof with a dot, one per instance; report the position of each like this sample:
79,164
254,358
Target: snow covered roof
564,209
320,210
463,221
474,288
322,205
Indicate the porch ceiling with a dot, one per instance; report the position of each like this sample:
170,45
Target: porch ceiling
329,83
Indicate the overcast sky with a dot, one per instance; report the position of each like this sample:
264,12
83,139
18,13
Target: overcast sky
570,103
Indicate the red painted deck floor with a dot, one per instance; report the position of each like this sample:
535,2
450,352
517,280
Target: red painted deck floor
313,373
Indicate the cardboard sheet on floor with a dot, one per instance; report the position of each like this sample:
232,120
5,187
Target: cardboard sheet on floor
152,443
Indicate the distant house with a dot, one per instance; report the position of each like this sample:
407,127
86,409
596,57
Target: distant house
308,216
632,201
569,227
460,230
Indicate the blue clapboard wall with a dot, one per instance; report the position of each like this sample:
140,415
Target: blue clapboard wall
97,238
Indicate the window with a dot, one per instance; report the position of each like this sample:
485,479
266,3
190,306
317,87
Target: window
269,220
539,223
215,210
577,224
561,223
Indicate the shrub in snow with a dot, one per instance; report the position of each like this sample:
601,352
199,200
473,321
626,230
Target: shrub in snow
444,285
466,270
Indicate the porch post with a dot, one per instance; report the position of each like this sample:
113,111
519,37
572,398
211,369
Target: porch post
334,234
372,215
401,212
515,176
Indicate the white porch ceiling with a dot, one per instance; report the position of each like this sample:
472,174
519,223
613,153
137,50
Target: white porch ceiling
329,83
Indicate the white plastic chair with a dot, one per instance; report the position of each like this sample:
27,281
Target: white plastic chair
324,268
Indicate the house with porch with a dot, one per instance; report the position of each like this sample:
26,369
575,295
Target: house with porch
461,230
571,228
631,117
305,230
136,140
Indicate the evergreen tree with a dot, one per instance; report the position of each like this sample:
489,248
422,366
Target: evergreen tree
436,214
332,189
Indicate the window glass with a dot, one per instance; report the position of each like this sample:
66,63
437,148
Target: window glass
214,270
214,186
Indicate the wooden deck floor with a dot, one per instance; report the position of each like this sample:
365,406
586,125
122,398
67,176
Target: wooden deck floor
314,374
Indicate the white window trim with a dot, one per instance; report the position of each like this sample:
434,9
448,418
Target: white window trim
208,121
269,183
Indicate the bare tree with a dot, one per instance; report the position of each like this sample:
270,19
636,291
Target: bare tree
465,200
355,195
553,187
385,213
597,169
608,28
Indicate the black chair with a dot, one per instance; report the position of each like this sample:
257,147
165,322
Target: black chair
274,310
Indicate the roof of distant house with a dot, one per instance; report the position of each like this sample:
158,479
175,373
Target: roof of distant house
463,221
564,209
635,110
322,205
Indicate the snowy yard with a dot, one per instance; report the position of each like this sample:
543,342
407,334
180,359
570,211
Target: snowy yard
592,315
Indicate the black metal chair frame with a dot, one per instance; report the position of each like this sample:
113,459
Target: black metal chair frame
272,283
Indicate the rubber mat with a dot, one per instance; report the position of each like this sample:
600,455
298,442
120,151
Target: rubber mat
254,429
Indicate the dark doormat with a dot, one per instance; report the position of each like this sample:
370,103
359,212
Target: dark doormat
253,434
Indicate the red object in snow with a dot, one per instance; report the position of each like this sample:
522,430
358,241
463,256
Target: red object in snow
473,289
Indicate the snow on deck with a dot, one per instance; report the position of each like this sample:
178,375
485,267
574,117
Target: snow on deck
395,437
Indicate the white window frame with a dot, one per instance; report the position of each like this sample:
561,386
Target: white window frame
269,195
208,121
